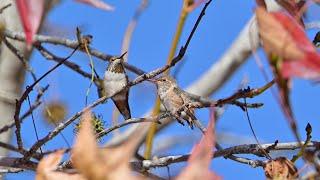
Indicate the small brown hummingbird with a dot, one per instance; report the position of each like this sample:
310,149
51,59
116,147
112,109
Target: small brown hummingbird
173,98
115,79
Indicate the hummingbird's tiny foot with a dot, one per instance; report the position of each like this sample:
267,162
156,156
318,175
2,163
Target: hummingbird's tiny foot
179,121
190,123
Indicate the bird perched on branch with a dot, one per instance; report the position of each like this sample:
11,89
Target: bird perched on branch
173,99
115,79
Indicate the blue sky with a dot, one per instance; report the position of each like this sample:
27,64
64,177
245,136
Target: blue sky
149,50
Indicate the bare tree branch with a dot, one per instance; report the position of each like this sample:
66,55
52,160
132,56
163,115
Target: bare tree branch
10,162
127,122
241,149
50,56
28,112
67,43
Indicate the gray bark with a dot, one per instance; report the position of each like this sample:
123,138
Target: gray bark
12,71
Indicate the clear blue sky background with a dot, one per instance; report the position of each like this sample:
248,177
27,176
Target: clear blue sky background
149,50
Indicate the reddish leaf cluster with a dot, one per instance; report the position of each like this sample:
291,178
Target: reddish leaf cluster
290,52
285,38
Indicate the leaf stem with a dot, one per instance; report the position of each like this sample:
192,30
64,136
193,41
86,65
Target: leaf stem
181,22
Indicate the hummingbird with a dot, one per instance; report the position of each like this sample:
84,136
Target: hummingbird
115,79
173,98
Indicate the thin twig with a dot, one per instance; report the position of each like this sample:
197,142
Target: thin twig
200,102
50,56
10,170
20,36
156,109
21,57
127,122
25,95
253,132
28,112
10,147
301,153
11,163
253,163
33,122
18,126
131,28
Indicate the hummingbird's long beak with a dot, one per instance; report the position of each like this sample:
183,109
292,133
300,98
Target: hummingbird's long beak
120,57
152,80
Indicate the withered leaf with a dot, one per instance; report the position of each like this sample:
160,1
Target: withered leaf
107,163
46,169
280,168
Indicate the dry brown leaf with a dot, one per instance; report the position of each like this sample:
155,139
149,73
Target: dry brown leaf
119,157
86,156
46,169
276,39
280,168
109,163
200,159
54,112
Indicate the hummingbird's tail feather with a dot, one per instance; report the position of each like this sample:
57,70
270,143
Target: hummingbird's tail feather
121,102
190,118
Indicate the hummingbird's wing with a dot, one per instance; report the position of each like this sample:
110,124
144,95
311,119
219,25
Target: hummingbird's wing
173,100
186,114
121,102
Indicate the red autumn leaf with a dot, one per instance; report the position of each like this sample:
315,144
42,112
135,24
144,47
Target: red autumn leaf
200,159
98,4
307,67
30,12
284,37
290,52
